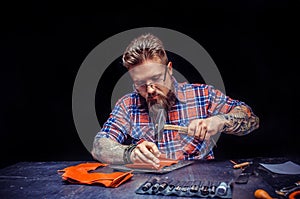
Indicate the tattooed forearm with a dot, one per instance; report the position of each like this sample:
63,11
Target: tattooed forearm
108,151
239,121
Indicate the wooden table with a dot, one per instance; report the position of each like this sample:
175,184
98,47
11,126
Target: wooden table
41,180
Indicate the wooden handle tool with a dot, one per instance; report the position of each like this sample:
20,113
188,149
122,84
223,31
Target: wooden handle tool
262,194
236,166
184,129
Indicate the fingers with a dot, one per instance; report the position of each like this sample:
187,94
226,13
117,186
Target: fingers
198,129
152,148
146,152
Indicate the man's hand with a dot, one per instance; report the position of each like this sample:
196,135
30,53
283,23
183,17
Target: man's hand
203,129
146,152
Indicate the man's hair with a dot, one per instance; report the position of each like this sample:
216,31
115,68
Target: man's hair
142,48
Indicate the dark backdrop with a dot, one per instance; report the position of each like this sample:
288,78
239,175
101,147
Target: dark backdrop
254,45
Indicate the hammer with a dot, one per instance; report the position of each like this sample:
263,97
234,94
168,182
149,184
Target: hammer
182,130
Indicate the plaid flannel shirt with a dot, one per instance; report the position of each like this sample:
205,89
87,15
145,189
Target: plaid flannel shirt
130,120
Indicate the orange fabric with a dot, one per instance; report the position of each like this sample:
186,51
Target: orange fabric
81,174
163,163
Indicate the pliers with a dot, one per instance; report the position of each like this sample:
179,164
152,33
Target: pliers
290,191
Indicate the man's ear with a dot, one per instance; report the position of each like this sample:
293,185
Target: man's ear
170,68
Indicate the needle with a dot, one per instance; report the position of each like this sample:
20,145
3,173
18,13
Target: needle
233,162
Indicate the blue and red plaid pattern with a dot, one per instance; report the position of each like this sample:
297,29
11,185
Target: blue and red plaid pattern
130,120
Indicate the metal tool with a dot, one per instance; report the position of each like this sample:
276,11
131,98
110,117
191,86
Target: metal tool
194,187
149,184
213,188
221,189
158,115
289,190
244,164
185,186
173,184
164,184
155,187
205,188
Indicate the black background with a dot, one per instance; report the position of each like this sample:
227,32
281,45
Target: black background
253,43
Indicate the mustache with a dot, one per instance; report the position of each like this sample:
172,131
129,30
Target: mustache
159,94
165,101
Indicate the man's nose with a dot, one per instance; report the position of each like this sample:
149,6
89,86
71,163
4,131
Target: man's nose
150,88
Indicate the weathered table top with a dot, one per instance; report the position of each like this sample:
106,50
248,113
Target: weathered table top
41,180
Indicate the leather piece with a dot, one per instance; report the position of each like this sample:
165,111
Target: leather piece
164,162
81,174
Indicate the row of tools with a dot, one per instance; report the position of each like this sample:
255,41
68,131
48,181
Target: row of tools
200,188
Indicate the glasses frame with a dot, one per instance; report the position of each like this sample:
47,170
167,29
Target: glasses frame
151,83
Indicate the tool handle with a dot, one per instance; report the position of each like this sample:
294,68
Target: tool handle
262,194
182,130
236,166
176,128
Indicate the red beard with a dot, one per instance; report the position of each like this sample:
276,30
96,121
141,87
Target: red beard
161,99
157,97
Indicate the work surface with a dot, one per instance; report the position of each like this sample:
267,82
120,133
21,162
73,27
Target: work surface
41,180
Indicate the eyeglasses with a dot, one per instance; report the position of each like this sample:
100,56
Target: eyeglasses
142,87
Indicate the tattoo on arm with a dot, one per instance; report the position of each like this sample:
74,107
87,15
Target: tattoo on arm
108,151
239,121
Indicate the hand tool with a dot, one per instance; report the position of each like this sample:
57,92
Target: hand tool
164,184
148,184
286,189
185,186
237,166
213,188
262,194
158,115
182,130
194,187
290,191
293,194
221,189
155,187
172,185
205,188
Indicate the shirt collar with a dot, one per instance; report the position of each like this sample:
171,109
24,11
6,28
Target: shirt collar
178,89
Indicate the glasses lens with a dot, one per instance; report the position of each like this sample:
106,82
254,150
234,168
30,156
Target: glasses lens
142,87
155,81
